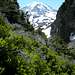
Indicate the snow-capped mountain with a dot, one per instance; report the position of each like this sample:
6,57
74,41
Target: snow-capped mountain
40,15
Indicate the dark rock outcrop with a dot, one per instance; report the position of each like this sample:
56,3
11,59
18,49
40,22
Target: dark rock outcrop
64,24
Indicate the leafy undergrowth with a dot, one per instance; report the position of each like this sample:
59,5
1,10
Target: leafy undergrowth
21,55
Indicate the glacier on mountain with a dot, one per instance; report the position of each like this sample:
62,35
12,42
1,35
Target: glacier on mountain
40,15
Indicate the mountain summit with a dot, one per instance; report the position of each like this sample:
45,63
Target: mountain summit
40,15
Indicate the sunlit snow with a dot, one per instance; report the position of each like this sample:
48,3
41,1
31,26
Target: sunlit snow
41,16
72,37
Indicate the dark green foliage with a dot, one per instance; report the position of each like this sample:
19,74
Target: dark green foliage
8,5
11,11
39,31
4,29
21,55
57,43
7,61
28,27
24,21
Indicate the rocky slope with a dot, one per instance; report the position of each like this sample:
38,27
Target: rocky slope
64,24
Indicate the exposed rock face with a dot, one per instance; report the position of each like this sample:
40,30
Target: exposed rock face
64,24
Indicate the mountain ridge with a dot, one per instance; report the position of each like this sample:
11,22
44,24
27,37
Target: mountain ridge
40,15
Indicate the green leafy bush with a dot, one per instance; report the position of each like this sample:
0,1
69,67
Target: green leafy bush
21,55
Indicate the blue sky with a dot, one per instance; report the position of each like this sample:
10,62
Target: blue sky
55,4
